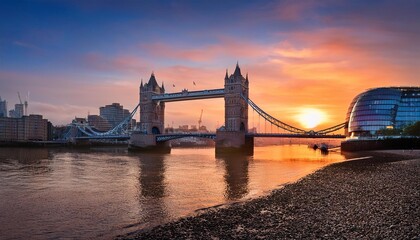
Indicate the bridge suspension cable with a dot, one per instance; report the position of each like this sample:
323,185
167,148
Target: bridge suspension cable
272,119
287,127
331,129
120,129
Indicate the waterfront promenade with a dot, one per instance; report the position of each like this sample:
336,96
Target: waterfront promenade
373,197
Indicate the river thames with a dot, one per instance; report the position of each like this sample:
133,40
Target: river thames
105,192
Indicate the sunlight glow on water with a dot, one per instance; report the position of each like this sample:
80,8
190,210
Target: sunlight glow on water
52,193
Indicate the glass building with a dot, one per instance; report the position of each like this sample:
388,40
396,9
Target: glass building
382,108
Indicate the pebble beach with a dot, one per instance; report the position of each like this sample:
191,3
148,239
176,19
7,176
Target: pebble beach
375,196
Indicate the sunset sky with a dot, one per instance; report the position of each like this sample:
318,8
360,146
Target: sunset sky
301,56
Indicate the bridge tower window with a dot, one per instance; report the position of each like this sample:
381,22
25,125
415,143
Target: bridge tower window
155,130
242,127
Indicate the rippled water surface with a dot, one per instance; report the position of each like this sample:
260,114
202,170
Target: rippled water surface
102,193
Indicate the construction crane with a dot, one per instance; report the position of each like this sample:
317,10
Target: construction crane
19,98
25,104
199,120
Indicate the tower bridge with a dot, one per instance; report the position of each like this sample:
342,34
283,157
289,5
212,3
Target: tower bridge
232,137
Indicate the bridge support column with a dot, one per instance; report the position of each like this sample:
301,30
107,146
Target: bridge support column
147,143
234,142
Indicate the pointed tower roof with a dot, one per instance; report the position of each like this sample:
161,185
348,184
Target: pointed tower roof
152,81
163,87
237,70
141,83
226,76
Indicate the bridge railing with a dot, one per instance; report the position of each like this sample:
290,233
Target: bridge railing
189,94
172,136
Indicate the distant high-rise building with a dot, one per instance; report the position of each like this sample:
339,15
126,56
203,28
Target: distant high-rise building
17,112
114,113
3,108
99,123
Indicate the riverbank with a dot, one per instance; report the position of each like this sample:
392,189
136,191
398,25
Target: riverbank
401,142
377,197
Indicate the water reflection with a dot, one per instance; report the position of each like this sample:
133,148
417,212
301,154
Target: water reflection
236,175
152,189
152,175
30,160
24,155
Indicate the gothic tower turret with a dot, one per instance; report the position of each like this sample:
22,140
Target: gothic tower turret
236,108
152,113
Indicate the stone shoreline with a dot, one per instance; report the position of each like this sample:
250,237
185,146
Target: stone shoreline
375,197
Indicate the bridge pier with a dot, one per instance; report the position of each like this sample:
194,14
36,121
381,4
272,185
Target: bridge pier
228,142
80,142
147,143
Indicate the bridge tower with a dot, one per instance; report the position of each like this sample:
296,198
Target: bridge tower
232,137
236,108
152,118
152,113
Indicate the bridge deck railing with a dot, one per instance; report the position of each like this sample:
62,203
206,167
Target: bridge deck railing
189,94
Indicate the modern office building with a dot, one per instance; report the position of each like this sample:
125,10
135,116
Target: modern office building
3,108
26,128
114,113
382,108
99,123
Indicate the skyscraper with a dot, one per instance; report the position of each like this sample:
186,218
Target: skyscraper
113,113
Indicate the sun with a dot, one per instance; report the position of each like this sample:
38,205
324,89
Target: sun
310,117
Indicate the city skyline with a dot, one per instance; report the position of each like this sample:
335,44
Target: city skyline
306,56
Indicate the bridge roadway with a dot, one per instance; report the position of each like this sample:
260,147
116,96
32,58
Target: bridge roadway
189,95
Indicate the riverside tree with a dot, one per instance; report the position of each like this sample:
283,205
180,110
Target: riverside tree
412,130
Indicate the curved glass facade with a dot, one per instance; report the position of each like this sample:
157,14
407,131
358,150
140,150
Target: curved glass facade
379,108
